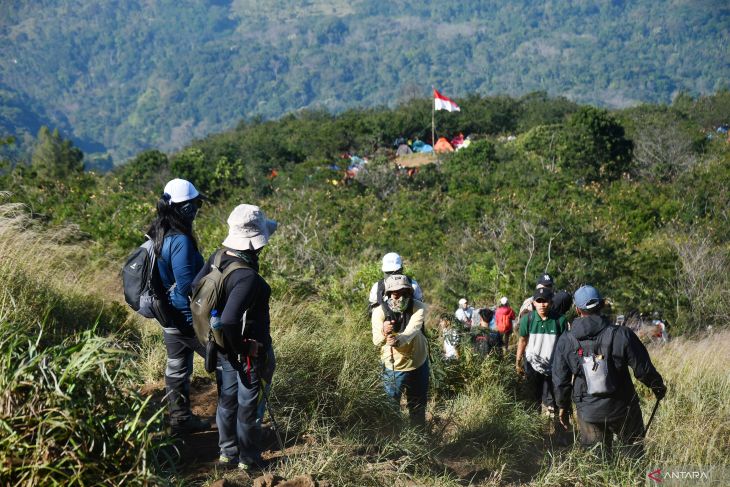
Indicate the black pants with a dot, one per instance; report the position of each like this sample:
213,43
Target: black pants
180,352
629,430
539,387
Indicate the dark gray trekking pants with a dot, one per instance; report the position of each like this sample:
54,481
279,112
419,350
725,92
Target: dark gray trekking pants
180,351
239,431
629,430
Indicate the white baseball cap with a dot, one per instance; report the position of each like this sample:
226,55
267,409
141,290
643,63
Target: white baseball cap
503,301
392,262
180,190
462,301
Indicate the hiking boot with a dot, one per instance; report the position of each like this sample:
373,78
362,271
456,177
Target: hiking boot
253,467
226,462
191,425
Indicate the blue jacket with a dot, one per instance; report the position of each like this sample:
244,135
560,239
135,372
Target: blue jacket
179,263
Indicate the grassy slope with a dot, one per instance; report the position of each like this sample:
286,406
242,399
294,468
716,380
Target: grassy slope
326,391
69,412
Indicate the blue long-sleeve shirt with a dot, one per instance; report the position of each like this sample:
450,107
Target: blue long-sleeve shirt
179,263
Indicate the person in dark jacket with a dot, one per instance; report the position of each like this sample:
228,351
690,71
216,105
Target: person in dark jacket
242,370
602,416
178,261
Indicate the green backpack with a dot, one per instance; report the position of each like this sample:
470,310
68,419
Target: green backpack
209,295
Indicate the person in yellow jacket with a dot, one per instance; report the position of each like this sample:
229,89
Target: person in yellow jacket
398,329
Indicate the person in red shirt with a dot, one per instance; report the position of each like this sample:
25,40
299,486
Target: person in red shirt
504,316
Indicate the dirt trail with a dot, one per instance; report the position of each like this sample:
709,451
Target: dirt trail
196,454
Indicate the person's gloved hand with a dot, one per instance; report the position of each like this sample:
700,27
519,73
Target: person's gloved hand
660,391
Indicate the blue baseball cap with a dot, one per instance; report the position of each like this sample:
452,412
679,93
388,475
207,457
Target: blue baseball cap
587,297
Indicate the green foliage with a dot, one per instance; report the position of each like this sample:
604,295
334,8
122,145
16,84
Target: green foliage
148,171
72,418
594,145
544,141
69,414
55,158
483,222
540,109
469,170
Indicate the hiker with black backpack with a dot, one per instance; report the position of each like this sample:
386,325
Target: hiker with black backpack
592,362
398,329
243,344
392,265
178,260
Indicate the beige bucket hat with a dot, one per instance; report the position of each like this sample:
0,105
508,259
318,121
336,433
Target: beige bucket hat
248,228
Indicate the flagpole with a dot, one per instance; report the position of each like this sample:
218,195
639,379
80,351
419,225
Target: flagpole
433,118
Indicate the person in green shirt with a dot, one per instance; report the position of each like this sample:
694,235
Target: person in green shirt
539,331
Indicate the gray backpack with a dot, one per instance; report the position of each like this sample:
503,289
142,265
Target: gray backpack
595,363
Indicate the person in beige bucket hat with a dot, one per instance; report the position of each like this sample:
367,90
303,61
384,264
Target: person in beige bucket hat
245,364
248,228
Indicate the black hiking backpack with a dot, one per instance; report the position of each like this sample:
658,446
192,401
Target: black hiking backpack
143,289
137,276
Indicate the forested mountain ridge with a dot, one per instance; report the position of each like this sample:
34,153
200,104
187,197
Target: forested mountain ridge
124,76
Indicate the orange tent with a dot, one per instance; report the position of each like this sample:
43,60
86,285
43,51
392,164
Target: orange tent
443,145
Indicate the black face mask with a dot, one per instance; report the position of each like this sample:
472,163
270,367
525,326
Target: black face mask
188,211
250,257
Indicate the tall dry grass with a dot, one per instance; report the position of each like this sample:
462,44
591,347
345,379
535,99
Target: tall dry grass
691,426
68,411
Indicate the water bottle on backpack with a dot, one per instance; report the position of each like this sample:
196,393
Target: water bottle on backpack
215,320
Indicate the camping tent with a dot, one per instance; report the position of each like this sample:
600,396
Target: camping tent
443,145
420,146
403,150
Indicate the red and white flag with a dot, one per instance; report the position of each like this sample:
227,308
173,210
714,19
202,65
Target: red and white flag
440,102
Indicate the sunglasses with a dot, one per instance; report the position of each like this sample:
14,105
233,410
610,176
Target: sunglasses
541,301
399,293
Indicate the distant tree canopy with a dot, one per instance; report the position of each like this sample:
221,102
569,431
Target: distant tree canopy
55,158
122,77
594,145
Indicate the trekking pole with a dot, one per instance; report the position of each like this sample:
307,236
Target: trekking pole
273,420
653,412
392,370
